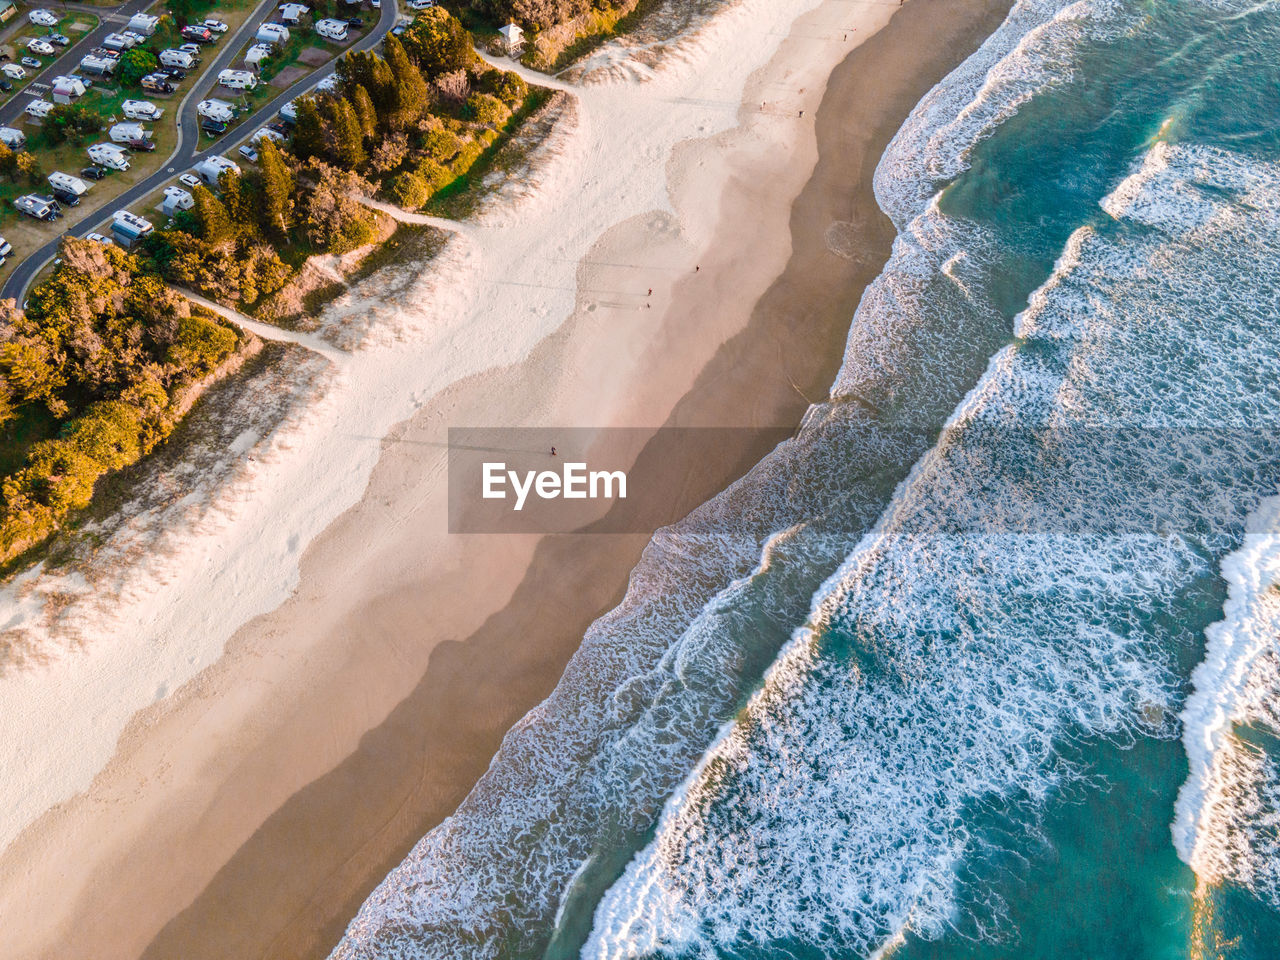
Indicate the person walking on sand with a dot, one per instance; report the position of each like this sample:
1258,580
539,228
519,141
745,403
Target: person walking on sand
650,293
553,451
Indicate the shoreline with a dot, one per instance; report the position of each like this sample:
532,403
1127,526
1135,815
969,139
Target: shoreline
437,685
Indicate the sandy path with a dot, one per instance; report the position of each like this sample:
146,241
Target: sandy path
248,813
266,331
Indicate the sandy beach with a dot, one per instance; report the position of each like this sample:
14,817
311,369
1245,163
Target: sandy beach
249,812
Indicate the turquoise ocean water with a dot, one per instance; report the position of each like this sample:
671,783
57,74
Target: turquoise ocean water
985,663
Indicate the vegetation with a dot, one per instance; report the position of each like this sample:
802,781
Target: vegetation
136,64
71,122
90,377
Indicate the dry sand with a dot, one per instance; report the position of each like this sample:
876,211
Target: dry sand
250,813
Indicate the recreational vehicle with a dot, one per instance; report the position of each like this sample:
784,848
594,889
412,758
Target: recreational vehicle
128,228
237,79
276,33
141,110
12,138
175,198
66,183
38,109
215,109
38,207
157,83
177,58
143,23
109,155
332,30
97,66
211,168
68,89
124,132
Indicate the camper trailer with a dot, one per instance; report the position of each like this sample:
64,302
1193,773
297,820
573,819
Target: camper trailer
143,23
67,89
177,58
43,18
292,13
218,110
13,71
109,155
211,168
128,228
97,66
332,30
141,110
38,207
124,132
237,79
175,198
119,42
276,33
13,139
257,53
66,183
38,109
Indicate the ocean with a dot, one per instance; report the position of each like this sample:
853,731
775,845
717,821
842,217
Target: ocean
985,662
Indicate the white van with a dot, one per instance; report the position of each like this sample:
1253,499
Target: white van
215,109
177,58
332,30
141,110
12,138
237,79
109,155
39,109
124,132
68,184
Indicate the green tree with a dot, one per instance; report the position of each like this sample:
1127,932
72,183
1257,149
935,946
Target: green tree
214,223
362,103
411,96
277,190
8,163
438,42
70,121
136,64
409,190
348,142
30,167
368,70
308,132
238,197
182,10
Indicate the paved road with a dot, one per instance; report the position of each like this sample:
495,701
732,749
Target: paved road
187,153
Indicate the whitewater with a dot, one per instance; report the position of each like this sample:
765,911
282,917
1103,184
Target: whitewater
843,705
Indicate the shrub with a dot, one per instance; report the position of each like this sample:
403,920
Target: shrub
485,108
136,64
409,190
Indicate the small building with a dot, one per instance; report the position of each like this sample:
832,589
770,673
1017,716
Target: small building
292,13
332,30
7,9
512,37
143,23
68,89
256,54
276,33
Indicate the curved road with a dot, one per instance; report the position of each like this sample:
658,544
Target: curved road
187,153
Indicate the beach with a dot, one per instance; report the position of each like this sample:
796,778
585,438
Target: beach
251,808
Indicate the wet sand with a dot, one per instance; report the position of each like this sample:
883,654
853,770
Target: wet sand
251,813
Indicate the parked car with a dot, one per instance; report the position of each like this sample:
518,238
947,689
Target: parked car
140,143
66,197
197,32
354,22
5,85
217,26
173,73
94,173
32,62
59,39
43,17
421,4
249,153
191,48
190,181
279,127
212,127
376,4
99,238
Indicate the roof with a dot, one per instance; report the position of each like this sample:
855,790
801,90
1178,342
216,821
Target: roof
510,32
